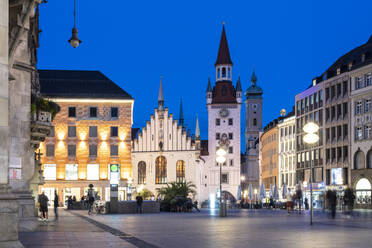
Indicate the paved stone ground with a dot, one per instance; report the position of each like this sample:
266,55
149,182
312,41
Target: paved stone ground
242,228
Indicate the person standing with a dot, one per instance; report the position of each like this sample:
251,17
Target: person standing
43,202
90,198
56,203
289,202
139,201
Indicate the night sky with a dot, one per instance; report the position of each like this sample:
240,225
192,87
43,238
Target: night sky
135,42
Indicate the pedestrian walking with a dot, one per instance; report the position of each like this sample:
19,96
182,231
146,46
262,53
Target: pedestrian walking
306,203
56,202
139,201
195,205
43,203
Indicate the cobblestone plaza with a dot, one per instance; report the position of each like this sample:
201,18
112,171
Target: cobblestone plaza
242,228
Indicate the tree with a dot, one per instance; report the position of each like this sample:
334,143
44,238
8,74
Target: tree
145,193
173,191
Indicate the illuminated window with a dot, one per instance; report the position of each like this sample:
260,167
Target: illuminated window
71,172
181,175
142,172
230,149
52,132
160,170
49,171
92,171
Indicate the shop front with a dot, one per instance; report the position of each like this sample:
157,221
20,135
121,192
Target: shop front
362,187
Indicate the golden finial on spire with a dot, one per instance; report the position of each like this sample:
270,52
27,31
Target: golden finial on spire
223,23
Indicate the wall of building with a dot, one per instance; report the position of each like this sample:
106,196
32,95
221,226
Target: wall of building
103,141
269,157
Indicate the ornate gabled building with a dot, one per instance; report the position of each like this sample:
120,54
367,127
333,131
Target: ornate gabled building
164,152
224,111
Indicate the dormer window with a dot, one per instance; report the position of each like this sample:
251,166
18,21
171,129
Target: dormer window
363,57
350,65
223,72
338,71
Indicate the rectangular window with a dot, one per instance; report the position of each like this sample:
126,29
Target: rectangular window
338,90
339,112
368,79
327,115
71,172
224,178
93,150
218,136
52,132
114,112
230,136
93,112
93,131
358,107
230,121
50,150
367,105
344,86
71,131
72,112
218,122
231,162
327,93
345,152
358,133
114,150
92,171
50,171
320,98
71,150
114,132
333,112
230,149
344,107
367,131
333,91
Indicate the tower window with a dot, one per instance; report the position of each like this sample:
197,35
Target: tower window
224,90
218,73
223,72
228,72
254,122
218,122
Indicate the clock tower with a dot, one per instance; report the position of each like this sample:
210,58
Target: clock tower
224,110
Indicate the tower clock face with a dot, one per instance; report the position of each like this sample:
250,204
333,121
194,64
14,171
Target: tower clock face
224,112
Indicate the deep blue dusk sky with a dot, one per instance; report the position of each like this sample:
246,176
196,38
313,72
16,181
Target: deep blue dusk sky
134,42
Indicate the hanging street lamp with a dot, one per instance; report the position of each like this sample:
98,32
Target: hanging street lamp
74,41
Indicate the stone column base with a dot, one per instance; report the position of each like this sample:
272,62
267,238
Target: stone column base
27,219
8,220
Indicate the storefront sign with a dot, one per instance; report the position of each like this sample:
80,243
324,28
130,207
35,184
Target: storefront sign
114,174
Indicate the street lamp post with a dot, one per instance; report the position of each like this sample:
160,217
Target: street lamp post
311,137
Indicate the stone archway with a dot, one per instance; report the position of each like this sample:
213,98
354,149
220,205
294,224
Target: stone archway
226,195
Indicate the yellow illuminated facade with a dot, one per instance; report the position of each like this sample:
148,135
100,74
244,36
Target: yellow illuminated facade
88,136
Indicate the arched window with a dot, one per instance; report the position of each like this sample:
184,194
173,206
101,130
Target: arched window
254,122
228,72
223,72
218,73
359,161
141,172
181,175
224,90
369,159
160,170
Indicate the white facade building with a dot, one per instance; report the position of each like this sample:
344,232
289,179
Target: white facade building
224,112
287,152
163,152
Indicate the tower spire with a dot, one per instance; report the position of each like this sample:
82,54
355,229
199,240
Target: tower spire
223,56
209,88
253,78
180,119
238,85
197,129
161,95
